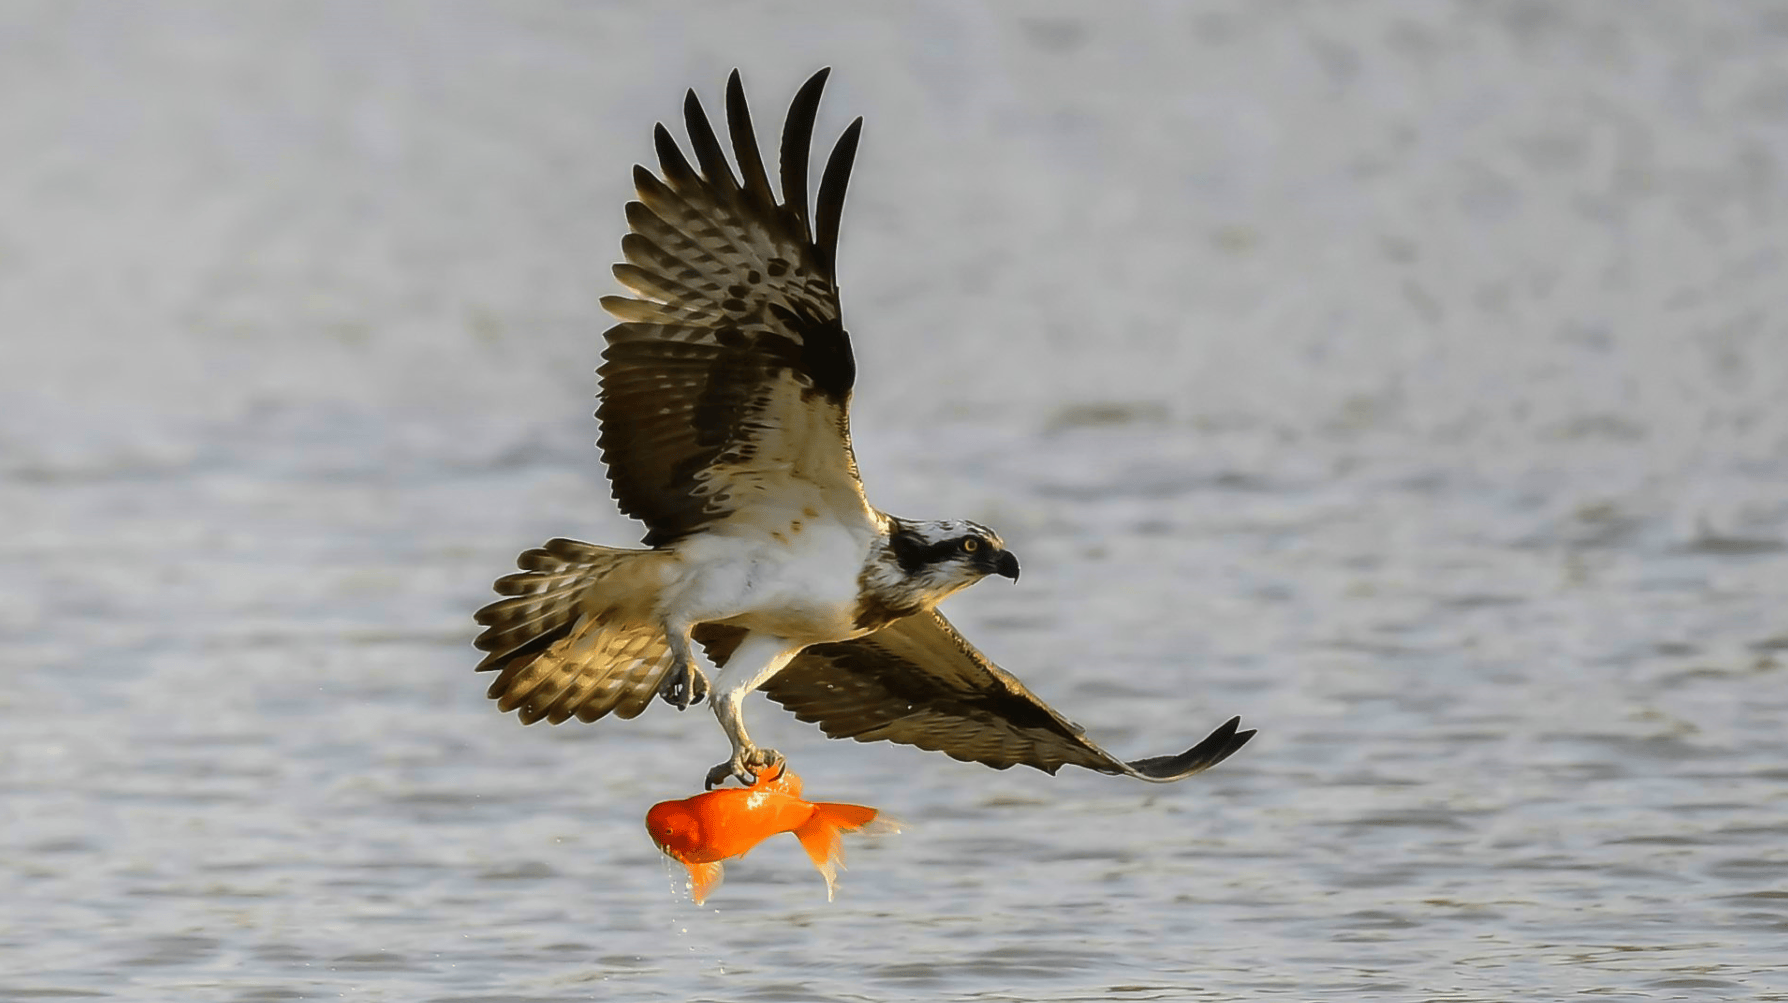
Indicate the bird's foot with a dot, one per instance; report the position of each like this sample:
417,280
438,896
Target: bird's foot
684,685
745,764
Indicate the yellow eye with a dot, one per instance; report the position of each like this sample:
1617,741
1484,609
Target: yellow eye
970,545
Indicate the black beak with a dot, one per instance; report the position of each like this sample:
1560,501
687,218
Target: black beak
1006,565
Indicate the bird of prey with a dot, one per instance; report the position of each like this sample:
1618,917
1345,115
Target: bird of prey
724,415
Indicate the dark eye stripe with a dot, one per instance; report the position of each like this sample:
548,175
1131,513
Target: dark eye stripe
914,553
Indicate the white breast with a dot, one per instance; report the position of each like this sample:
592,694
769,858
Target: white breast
795,578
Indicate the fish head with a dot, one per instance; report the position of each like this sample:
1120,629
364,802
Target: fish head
674,827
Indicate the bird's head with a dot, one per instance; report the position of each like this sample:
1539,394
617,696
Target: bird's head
933,559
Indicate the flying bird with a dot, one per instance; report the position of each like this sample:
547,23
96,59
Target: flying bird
724,413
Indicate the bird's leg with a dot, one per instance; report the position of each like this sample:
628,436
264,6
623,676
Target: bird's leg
747,758
685,683
756,659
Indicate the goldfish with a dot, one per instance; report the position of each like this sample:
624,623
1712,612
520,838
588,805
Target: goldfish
701,831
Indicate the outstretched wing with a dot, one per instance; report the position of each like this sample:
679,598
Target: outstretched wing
729,377
918,682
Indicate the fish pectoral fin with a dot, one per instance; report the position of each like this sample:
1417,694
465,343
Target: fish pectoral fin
819,836
704,878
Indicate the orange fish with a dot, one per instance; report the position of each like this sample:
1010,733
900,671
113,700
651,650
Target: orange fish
703,830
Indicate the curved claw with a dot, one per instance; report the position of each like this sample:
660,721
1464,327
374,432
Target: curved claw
685,685
745,764
718,774
760,760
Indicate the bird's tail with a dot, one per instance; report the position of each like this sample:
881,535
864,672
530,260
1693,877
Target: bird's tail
820,835
577,634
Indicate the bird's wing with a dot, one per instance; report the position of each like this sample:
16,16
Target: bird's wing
729,377
918,682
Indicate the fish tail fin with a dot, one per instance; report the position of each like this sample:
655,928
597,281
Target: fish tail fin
704,878
819,836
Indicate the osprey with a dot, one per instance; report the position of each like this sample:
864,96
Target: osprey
725,428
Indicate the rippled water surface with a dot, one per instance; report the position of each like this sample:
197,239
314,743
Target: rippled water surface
1406,378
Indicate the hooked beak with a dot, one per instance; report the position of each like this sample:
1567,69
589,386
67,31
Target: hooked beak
1005,565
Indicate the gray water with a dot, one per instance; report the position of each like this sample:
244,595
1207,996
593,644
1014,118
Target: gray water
1406,378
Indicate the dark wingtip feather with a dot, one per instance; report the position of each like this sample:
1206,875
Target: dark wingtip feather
671,163
643,178
1216,747
830,208
797,143
745,150
706,145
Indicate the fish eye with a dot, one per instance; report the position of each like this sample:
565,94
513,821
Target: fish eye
970,544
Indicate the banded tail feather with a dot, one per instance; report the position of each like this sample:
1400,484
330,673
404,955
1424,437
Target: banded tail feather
575,636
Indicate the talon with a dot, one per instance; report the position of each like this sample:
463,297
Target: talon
746,764
734,767
760,760
685,685
718,775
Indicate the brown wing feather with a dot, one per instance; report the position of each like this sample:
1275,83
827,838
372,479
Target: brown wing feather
729,376
570,639
918,682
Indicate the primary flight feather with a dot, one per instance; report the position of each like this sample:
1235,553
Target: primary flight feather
726,430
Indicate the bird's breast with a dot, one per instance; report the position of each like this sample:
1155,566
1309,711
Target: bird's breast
799,583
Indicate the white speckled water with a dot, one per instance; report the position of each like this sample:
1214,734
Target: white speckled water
1409,379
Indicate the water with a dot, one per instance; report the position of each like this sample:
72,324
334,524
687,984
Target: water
1405,378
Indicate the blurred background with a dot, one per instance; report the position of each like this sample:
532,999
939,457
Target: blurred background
1407,378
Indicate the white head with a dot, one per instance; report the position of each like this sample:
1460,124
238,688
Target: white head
926,561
